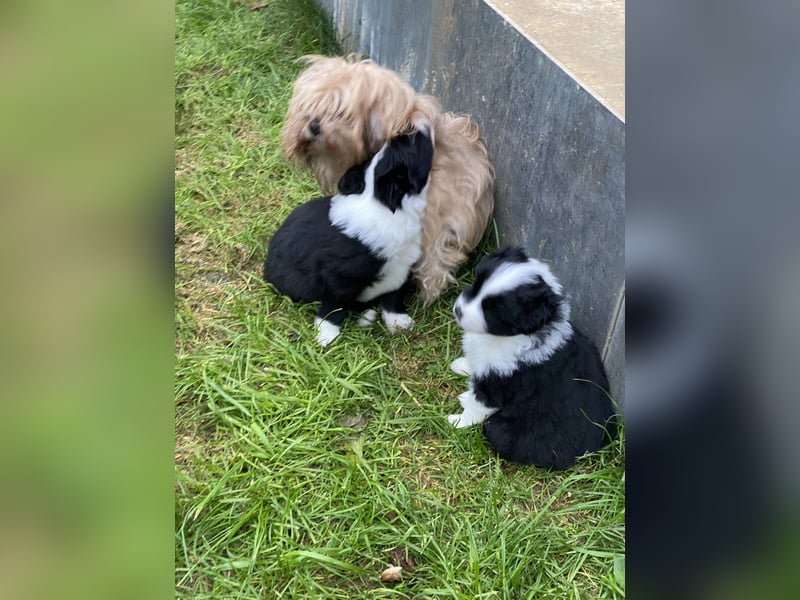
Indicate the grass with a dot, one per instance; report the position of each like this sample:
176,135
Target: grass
303,472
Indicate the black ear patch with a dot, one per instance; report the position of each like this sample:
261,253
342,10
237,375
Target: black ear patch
391,187
352,182
403,169
420,167
491,262
523,310
511,254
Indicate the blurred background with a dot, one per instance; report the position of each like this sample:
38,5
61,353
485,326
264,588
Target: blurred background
86,130
712,314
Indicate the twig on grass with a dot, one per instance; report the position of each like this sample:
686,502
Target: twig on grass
407,391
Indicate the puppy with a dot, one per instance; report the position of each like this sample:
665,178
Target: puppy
354,250
342,110
536,382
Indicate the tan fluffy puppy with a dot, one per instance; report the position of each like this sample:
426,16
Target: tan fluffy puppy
344,109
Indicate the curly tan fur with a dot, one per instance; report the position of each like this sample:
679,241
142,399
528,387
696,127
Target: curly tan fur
342,110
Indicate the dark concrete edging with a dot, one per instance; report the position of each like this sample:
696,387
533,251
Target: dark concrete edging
559,153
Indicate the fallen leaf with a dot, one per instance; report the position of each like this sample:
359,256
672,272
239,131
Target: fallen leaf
392,574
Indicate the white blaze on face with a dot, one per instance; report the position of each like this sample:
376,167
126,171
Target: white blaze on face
507,277
394,236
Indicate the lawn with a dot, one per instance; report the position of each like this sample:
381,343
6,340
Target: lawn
303,472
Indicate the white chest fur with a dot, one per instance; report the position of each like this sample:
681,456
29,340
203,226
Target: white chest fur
395,237
485,352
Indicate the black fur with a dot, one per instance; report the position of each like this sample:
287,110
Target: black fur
352,182
552,412
526,310
489,264
309,259
547,416
404,170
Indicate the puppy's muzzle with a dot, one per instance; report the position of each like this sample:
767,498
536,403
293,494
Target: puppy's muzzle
314,127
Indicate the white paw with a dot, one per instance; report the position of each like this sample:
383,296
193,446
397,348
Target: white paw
397,321
462,420
367,318
326,331
455,420
461,366
468,401
474,411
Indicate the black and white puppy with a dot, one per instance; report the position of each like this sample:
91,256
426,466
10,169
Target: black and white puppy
355,250
536,383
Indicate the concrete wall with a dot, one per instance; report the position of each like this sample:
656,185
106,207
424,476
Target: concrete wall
558,151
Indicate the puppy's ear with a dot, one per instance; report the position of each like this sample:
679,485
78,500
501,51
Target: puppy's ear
352,182
524,310
391,186
403,169
420,166
511,254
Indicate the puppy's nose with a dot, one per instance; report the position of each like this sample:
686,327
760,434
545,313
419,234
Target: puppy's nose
457,311
313,127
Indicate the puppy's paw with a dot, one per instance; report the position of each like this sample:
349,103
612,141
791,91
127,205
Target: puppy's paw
326,331
367,318
468,401
474,411
455,420
460,366
397,321
462,420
